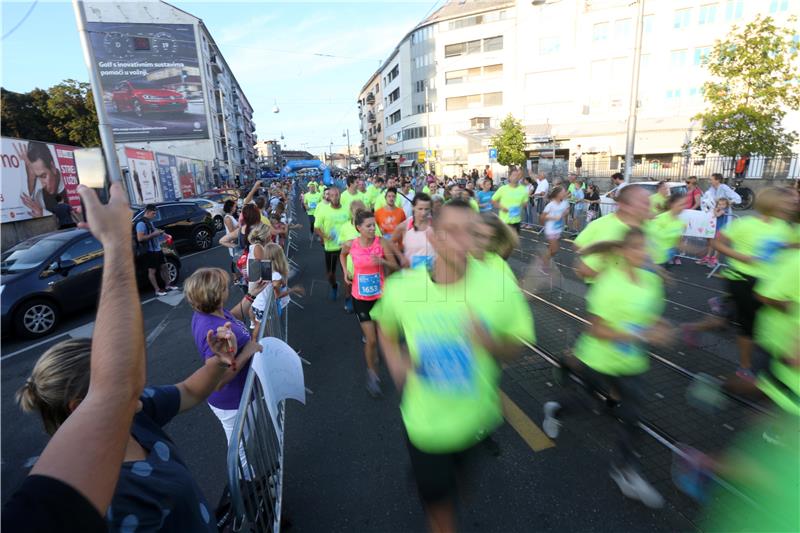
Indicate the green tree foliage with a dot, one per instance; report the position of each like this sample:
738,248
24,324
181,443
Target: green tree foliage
510,142
62,114
754,82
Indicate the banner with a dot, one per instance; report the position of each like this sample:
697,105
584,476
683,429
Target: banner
34,173
701,224
168,176
143,177
151,81
186,178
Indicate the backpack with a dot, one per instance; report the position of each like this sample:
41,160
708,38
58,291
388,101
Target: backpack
141,246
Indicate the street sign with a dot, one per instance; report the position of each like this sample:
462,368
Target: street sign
492,153
428,154
421,157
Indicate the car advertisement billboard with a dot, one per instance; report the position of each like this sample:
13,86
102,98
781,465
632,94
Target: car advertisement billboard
143,177
150,74
168,174
34,174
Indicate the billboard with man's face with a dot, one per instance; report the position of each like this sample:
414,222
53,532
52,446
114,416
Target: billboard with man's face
150,75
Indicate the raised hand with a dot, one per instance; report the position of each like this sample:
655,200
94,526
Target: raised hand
223,344
110,223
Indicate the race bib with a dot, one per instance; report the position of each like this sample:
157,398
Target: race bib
334,235
768,250
369,284
446,365
630,348
312,205
513,212
558,224
418,260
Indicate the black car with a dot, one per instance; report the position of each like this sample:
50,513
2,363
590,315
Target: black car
187,223
55,273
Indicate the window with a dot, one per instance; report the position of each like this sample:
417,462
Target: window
492,71
492,99
474,47
395,72
696,91
173,211
733,9
776,6
549,46
394,95
453,50
648,22
83,250
700,54
394,118
455,103
466,22
622,30
493,44
455,76
708,13
673,94
682,19
600,32
678,58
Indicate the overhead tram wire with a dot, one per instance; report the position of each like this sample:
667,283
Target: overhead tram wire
23,19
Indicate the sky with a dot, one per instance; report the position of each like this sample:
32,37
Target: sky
270,47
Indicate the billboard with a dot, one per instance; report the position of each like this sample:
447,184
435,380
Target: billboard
168,175
186,177
150,74
34,173
143,177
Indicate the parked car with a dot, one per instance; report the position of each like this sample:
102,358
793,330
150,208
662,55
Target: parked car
53,274
140,97
219,197
188,223
608,205
212,208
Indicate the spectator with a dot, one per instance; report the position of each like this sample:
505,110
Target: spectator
72,483
593,201
149,239
719,190
579,205
693,193
65,215
540,194
617,179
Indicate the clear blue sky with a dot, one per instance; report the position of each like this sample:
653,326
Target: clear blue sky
316,95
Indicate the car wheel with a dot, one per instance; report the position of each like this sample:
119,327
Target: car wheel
202,238
218,224
137,109
36,318
174,270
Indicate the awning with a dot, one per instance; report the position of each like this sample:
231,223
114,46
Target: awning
406,163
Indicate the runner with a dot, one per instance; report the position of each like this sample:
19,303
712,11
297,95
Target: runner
625,304
413,237
553,217
369,254
484,196
351,193
659,200
310,200
664,232
633,209
510,200
328,223
389,216
348,233
452,324
751,244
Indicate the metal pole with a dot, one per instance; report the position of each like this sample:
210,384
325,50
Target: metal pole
634,99
231,169
106,133
348,149
427,130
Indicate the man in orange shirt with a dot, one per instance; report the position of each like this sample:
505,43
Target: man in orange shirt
389,216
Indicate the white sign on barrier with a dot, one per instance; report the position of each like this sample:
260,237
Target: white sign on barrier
701,224
281,374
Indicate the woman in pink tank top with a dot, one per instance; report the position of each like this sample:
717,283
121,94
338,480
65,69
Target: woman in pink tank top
370,255
413,236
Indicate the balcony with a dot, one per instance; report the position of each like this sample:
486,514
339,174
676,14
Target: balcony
215,66
371,118
370,99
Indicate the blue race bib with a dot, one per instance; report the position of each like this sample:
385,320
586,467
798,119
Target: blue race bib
312,205
513,212
446,365
369,284
418,260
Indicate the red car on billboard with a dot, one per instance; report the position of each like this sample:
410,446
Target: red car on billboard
140,97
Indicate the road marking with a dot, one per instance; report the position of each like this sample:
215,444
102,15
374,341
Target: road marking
524,426
156,331
202,251
34,345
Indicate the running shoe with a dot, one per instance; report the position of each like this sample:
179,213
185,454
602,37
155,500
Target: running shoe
348,305
745,374
712,262
551,425
333,294
172,288
161,293
677,261
703,261
634,486
715,304
373,384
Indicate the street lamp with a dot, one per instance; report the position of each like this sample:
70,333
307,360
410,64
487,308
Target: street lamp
348,146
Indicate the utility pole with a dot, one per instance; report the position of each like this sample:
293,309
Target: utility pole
348,148
634,99
428,152
106,133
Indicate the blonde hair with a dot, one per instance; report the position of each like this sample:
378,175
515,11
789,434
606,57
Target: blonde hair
504,240
355,207
259,235
280,265
770,199
206,288
60,376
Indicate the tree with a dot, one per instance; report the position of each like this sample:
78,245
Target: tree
23,115
510,142
754,81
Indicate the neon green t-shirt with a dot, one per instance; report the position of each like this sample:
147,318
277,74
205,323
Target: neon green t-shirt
330,221
426,189
379,200
658,203
451,397
513,199
348,199
607,228
312,200
625,306
663,235
758,238
776,331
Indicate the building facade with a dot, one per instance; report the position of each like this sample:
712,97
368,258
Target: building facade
229,149
564,68
269,154
370,113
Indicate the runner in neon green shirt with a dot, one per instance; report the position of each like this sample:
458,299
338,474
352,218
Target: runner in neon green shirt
660,199
453,326
329,220
352,193
664,232
510,200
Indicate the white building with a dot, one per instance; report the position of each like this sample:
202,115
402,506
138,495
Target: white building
564,68
229,150
370,112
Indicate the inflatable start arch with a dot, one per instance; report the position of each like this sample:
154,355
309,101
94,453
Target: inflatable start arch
293,166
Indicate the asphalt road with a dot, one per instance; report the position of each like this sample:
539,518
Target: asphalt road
346,464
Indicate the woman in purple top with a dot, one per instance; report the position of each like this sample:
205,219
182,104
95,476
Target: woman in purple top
206,291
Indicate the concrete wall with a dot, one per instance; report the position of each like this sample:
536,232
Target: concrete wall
14,232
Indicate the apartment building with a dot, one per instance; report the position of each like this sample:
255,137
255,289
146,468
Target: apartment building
370,113
564,68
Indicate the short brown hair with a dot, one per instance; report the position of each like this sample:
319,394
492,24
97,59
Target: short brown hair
205,289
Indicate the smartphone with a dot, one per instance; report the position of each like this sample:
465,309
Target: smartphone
91,167
259,269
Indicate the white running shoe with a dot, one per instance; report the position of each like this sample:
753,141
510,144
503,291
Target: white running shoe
634,486
161,293
551,424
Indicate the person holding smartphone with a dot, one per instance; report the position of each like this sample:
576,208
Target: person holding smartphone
149,238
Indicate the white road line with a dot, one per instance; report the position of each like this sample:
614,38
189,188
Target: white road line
156,331
201,252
